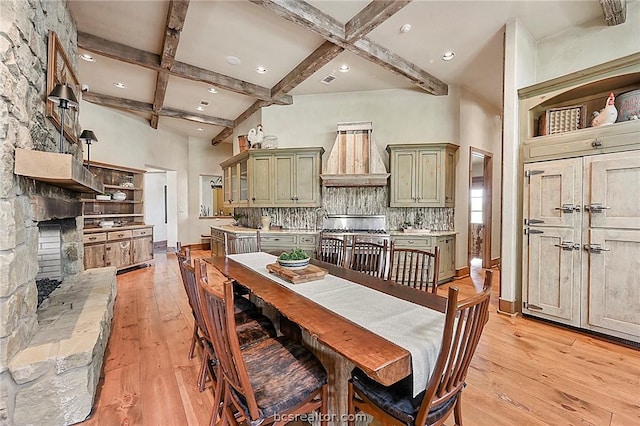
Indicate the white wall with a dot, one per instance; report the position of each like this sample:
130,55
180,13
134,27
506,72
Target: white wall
398,116
480,127
154,183
204,158
519,72
588,45
127,140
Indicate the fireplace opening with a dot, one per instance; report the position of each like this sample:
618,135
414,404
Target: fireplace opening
49,275
45,288
57,254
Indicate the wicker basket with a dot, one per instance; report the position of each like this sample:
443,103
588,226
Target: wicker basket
561,120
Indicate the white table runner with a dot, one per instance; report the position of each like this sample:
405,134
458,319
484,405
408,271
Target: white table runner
413,327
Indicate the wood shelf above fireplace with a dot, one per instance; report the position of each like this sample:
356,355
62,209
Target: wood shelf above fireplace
56,169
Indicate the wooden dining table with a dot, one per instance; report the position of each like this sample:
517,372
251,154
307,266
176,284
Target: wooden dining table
339,343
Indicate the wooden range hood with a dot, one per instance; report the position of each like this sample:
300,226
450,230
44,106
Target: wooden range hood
354,159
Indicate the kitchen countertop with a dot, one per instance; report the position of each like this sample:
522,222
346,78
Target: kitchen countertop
115,228
422,233
244,229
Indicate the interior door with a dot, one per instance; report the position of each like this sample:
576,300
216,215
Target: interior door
552,245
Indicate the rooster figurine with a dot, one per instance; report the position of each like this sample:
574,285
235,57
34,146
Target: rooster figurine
607,115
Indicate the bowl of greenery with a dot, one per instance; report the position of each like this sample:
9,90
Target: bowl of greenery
295,259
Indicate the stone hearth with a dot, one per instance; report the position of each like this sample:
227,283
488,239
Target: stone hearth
56,375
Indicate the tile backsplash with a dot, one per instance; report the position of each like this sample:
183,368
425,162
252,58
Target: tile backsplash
348,200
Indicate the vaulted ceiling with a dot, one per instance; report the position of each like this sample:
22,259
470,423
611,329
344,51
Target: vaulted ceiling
171,55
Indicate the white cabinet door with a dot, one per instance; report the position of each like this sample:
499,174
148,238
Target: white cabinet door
307,185
553,192
284,178
614,281
403,178
261,180
552,278
552,244
614,195
430,178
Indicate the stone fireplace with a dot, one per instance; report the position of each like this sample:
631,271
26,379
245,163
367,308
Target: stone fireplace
51,356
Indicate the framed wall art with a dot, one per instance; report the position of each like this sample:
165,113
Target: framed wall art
60,71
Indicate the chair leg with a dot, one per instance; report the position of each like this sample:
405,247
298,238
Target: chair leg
351,409
217,401
457,411
202,374
324,409
195,338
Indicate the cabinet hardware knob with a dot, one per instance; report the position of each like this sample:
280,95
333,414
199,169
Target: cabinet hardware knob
595,248
568,208
595,208
597,143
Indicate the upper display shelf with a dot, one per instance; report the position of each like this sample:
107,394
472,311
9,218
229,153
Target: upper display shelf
569,103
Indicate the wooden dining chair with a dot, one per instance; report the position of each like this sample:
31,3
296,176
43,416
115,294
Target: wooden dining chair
275,377
331,250
241,243
369,258
252,325
184,256
414,268
395,404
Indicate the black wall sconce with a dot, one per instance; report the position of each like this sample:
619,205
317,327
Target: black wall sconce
88,137
63,96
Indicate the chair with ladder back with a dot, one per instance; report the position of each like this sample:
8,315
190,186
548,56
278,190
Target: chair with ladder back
396,405
275,377
414,268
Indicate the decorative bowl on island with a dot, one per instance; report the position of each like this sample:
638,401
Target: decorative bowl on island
294,260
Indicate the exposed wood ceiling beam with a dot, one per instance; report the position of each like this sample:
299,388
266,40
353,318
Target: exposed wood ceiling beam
312,63
224,134
131,105
131,55
374,14
175,22
318,58
615,11
317,21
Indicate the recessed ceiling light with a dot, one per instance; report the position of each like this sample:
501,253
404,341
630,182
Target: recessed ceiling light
87,57
233,60
212,90
447,56
261,70
200,129
120,85
405,28
200,108
344,68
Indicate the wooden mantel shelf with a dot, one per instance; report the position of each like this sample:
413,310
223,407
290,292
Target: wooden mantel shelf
57,169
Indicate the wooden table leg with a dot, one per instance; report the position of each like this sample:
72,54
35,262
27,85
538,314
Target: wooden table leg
339,371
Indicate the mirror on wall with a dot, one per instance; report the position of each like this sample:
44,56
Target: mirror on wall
211,197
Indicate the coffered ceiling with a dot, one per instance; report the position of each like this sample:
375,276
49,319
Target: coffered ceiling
170,53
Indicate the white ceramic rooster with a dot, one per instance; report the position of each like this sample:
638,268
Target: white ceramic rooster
607,115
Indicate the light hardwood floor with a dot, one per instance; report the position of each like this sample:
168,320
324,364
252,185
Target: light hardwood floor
524,372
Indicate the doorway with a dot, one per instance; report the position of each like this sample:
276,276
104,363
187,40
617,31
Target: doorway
480,202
